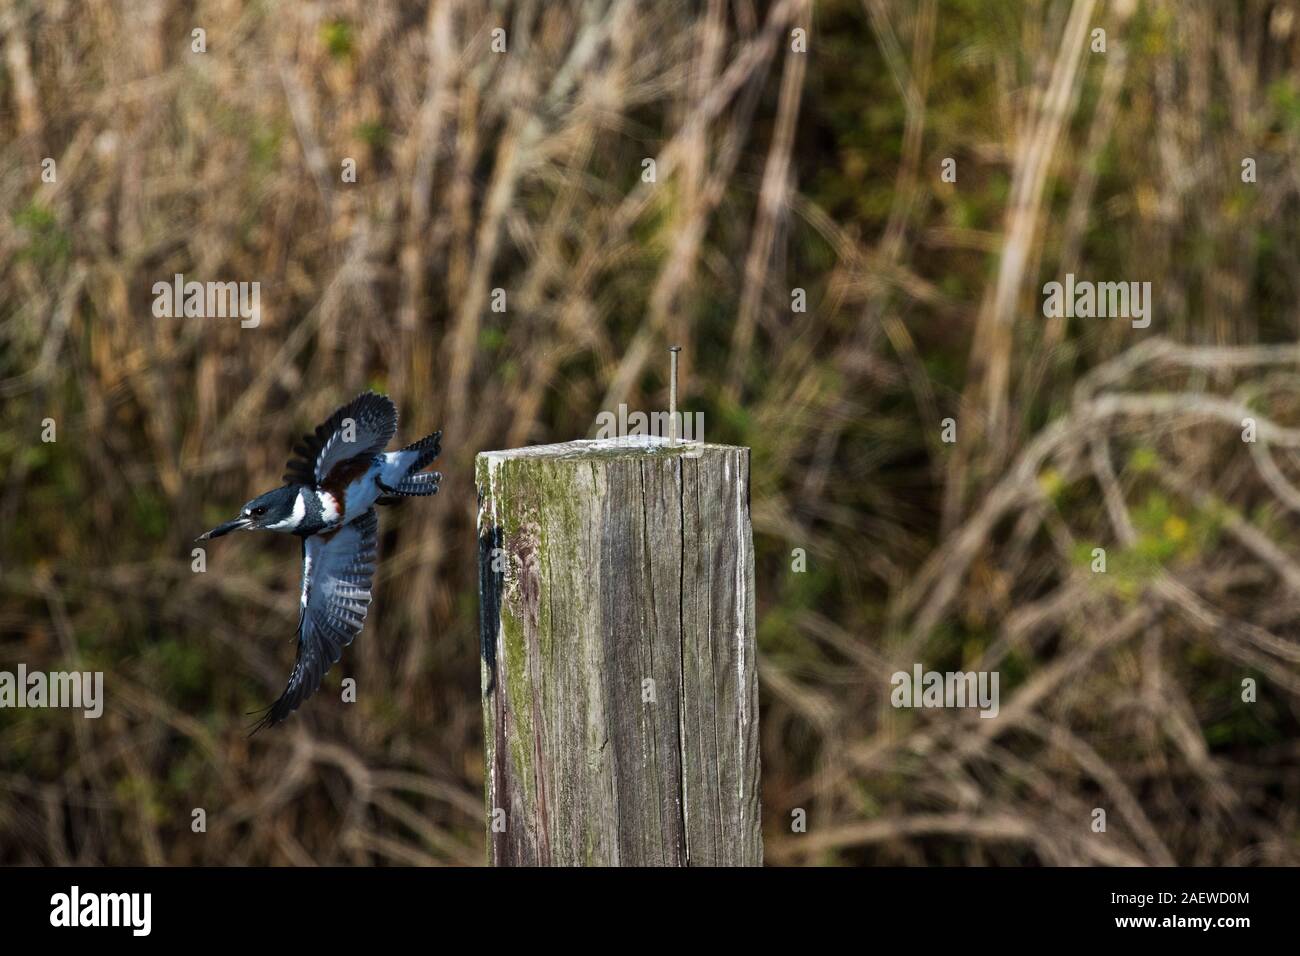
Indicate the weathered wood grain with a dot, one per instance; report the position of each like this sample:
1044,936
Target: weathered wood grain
617,614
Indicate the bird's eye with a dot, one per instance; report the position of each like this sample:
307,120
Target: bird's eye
258,512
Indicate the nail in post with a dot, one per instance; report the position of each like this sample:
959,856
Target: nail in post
672,395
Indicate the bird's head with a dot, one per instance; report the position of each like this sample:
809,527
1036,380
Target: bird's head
273,511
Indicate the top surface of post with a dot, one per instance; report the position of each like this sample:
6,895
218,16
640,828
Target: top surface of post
624,447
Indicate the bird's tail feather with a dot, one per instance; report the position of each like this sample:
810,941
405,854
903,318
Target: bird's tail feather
424,484
428,447
414,484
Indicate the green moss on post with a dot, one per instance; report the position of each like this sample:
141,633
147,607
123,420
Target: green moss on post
621,695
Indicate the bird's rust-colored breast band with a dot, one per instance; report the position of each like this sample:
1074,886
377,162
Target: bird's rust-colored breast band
342,476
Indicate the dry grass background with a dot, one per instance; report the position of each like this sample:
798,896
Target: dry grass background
775,170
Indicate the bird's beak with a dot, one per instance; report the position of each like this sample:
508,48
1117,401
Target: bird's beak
229,526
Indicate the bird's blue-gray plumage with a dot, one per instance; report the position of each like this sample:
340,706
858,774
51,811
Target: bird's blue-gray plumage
337,568
338,475
373,420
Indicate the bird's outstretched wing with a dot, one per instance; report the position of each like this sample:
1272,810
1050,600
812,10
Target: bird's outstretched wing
337,569
374,423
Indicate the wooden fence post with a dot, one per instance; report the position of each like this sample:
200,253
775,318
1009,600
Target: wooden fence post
620,711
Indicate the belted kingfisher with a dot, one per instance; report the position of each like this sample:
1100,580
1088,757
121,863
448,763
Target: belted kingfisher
339,474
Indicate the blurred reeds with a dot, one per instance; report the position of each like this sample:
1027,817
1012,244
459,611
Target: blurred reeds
774,171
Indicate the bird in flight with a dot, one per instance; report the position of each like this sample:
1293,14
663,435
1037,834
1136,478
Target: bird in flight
338,475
